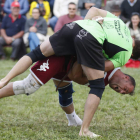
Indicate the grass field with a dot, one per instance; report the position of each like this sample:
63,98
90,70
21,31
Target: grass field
39,117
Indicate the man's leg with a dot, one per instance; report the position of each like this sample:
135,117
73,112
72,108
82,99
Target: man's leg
26,86
66,102
2,43
52,22
25,62
33,41
96,81
16,45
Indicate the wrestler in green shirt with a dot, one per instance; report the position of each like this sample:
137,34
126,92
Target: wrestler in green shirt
114,35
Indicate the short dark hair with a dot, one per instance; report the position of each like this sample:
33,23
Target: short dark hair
136,50
71,3
133,82
36,8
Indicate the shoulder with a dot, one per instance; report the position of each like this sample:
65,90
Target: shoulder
79,17
45,2
33,3
42,19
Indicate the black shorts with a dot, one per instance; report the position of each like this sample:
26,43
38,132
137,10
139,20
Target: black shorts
74,40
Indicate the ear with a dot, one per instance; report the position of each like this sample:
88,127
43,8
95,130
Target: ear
126,77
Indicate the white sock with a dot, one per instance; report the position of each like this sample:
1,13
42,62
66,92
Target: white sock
73,119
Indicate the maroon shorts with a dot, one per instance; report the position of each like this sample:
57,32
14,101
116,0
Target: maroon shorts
51,67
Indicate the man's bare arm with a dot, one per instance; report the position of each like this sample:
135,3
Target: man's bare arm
76,74
93,12
108,65
3,34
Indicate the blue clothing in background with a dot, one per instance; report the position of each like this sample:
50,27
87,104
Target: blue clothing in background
24,6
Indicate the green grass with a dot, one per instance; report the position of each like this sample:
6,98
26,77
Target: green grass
39,117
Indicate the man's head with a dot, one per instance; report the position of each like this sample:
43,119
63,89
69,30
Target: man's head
35,13
115,9
72,9
136,49
15,8
122,83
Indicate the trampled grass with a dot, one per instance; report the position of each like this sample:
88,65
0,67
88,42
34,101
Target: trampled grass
39,117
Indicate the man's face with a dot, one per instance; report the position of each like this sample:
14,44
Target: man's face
15,11
72,9
35,14
122,85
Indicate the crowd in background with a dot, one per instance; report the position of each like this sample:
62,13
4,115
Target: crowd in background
25,23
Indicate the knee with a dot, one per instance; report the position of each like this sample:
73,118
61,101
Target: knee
26,86
17,42
65,95
97,87
31,35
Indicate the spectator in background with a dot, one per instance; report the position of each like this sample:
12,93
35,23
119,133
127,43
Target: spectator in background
85,5
24,6
70,17
35,30
51,2
128,7
110,3
43,6
115,9
60,9
134,25
12,31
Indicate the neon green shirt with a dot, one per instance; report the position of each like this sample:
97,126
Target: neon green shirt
113,35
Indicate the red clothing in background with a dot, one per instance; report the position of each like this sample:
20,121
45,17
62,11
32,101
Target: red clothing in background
64,20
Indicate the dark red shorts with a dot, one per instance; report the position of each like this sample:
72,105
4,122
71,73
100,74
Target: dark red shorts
51,67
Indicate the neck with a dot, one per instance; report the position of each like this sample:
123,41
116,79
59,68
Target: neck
71,16
115,75
135,27
14,16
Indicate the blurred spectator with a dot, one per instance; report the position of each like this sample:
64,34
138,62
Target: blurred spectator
115,9
24,6
85,5
1,13
70,17
128,7
134,26
12,31
51,2
35,30
43,6
110,3
60,9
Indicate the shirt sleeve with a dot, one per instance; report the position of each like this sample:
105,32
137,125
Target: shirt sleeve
120,58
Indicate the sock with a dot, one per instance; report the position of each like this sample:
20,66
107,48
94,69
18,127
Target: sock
73,119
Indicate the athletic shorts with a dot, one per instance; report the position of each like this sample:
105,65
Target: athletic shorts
74,40
52,67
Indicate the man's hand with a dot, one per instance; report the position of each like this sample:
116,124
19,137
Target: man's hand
89,5
8,40
33,29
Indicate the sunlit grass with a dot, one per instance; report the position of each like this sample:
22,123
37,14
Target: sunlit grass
39,117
